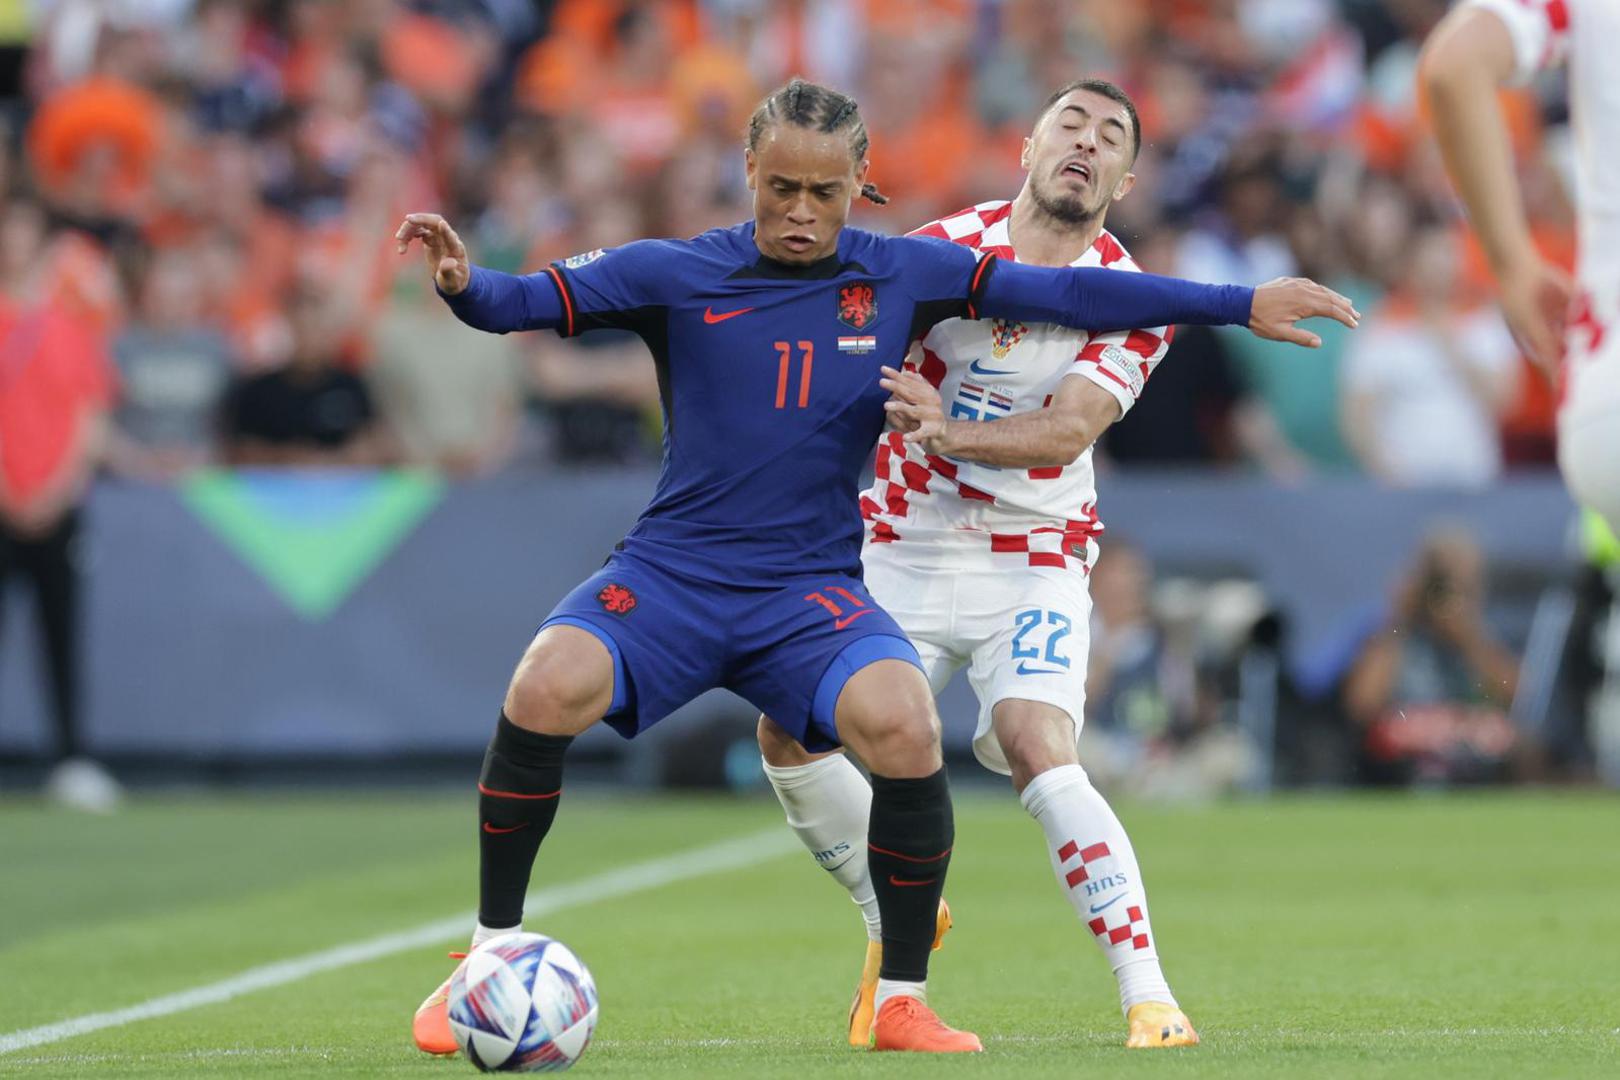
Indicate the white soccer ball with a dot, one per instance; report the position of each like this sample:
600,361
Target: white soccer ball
522,1003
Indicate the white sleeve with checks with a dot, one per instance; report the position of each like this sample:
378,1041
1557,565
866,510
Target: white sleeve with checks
1122,361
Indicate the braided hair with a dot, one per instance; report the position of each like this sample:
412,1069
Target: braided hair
810,105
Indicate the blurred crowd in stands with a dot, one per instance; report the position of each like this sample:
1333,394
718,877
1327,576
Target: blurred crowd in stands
200,195
196,258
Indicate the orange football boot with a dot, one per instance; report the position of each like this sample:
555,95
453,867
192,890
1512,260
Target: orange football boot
1157,1024
905,1023
860,1010
430,1027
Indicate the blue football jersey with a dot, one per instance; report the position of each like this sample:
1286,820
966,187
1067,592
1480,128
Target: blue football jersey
769,378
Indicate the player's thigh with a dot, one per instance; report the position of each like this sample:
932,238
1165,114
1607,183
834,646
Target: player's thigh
808,642
1033,636
780,748
663,636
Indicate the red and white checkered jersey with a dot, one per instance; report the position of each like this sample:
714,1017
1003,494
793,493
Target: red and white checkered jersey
1579,33
946,512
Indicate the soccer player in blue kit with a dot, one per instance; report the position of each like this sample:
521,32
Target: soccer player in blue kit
744,571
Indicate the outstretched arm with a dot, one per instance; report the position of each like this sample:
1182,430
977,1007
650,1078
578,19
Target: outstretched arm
1466,60
483,299
1093,299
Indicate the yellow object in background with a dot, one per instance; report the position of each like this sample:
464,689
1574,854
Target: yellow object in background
16,28
1602,545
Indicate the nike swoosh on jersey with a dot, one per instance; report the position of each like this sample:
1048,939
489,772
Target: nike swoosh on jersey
711,318
846,620
1023,670
1099,907
977,370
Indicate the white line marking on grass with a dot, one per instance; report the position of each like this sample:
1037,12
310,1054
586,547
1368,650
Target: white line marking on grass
625,881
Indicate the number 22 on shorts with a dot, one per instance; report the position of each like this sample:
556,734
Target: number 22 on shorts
1029,623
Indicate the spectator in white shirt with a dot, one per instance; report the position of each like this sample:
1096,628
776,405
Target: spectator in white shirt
1426,380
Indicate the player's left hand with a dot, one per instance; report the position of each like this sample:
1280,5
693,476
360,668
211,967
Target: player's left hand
1536,298
914,407
1281,303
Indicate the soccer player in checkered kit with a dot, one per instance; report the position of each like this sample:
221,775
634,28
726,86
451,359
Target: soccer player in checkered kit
744,571
1480,46
980,537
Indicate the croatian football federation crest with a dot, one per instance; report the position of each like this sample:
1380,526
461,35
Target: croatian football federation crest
616,599
1004,335
857,304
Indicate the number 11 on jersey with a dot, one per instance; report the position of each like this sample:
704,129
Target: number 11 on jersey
807,350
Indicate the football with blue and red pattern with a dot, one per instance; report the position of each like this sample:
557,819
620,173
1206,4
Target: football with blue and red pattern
522,1003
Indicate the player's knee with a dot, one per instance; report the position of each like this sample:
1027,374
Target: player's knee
906,755
563,684
905,744
886,715
1034,738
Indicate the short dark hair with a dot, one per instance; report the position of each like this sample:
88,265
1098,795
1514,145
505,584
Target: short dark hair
810,105
1107,90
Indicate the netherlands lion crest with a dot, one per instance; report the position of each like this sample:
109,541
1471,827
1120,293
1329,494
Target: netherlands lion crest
616,599
1004,335
857,305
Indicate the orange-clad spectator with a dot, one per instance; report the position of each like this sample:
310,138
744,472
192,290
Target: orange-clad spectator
568,69
93,144
633,107
78,272
439,63
55,386
924,138
593,25
712,89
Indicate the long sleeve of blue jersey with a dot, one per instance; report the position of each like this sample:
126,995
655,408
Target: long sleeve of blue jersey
612,288
1085,298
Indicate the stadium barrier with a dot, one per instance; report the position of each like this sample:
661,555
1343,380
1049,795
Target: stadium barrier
250,616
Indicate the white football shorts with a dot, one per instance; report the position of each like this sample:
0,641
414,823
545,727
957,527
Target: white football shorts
1022,631
1589,431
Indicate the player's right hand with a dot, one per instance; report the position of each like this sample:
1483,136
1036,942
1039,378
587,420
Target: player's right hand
445,253
1281,303
1536,298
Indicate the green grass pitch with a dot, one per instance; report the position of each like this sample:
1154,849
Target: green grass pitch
1306,937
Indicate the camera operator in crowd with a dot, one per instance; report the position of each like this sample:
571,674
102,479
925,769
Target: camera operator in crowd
1430,692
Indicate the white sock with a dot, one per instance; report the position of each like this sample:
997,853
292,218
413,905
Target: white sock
1097,871
482,933
828,802
888,988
